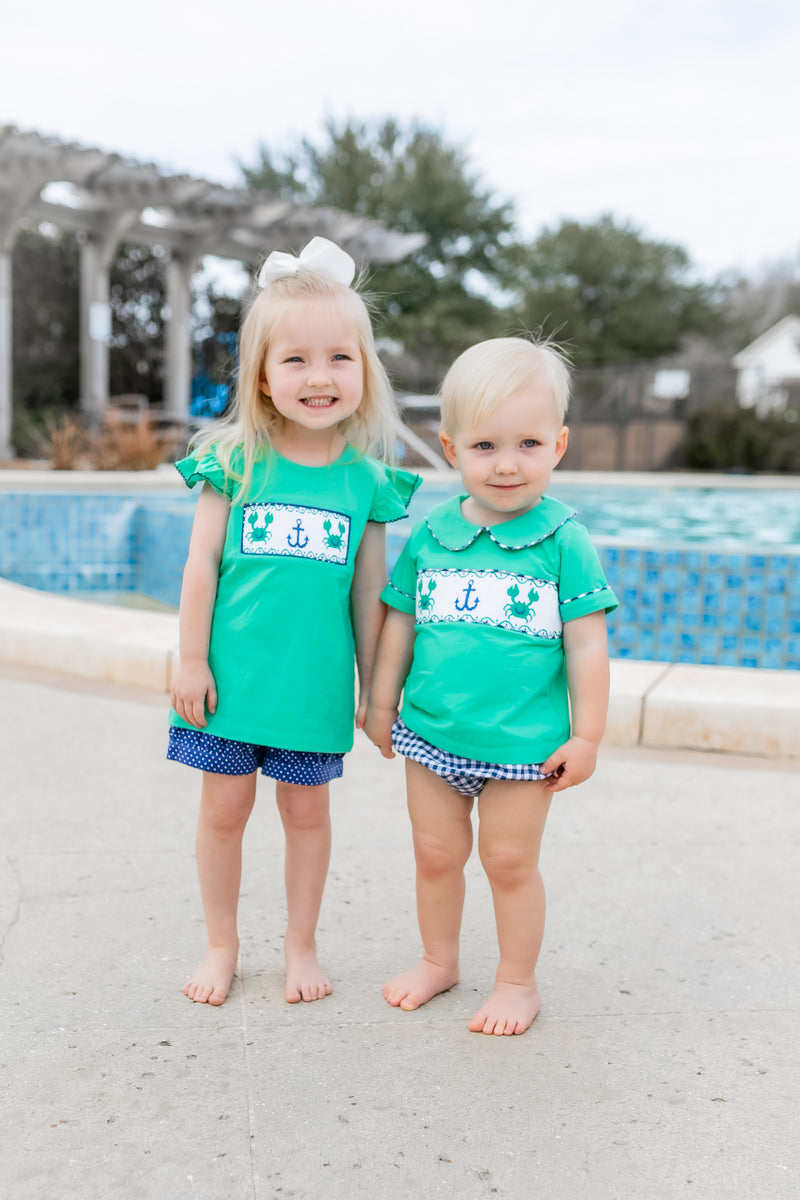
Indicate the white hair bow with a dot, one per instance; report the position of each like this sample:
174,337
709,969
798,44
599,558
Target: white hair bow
320,255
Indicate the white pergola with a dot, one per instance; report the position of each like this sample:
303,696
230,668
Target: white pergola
107,199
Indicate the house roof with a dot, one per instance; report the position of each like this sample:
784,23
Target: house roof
786,330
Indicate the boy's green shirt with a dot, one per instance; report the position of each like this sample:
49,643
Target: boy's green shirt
488,678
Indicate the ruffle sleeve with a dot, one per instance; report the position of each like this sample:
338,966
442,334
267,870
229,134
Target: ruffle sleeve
392,494
205,470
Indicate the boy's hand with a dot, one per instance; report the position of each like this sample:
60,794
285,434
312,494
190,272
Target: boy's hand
570,764
378,728
194,691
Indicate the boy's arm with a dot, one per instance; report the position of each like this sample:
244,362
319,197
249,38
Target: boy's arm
586,650
367,607
391,667
194,685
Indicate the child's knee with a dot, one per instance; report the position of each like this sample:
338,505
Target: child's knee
303,808
508,864
435,858
225,816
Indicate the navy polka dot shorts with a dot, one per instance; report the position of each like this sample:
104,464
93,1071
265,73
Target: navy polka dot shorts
221,756
468,776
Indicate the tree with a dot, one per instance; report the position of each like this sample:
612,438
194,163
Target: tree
610,295
46,279
137,297
438,300
753,305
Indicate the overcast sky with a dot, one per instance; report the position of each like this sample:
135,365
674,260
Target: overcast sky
681,117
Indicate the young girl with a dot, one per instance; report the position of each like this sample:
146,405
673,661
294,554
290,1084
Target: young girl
497,619
281,588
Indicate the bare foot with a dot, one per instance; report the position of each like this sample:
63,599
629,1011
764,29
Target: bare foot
305,978
419,985
211,981
511,1008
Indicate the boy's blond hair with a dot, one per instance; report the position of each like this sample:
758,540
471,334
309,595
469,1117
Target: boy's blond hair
245,433
486,374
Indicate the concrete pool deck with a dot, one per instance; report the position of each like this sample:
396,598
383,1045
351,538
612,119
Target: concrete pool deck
653,704
664,1064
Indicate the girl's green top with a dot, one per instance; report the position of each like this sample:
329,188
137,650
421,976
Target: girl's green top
282,649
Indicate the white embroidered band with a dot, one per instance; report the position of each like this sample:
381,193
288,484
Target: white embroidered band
320,255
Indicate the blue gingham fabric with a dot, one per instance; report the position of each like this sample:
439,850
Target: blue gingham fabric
468,776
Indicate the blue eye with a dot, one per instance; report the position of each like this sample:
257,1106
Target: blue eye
341,357
483,445
529,443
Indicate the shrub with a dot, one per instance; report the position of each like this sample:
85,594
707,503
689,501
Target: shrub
722,439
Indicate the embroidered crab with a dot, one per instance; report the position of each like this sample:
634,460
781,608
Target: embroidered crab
425,599
259,533
520,608
333,540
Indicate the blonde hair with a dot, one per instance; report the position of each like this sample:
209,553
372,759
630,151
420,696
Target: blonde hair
244,435
486,374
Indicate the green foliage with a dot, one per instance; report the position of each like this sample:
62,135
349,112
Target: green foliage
719,438
609,294
46,343
437,301
137,297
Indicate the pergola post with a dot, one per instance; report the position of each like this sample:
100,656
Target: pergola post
97,254
95,329
6,348
178,343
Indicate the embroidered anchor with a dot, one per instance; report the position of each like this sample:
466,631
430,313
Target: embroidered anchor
425,599
466,606
332,540
519,608
297,529
259,533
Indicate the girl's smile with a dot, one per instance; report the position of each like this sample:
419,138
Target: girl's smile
314,370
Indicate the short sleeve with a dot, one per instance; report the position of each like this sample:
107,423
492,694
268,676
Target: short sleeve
401,591
582,586
205,470
392,494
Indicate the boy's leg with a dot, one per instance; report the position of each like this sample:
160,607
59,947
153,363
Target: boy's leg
226,802
442,828
512,819
305,813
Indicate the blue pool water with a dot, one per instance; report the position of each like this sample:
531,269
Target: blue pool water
703,575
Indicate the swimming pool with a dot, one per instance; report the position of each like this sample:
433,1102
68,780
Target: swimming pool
705,572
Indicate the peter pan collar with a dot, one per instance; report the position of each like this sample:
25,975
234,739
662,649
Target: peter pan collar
454,532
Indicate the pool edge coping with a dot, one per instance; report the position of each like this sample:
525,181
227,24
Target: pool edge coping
654,705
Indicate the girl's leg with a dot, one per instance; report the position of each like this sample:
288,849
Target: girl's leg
512,819
305,813
442,828
226,802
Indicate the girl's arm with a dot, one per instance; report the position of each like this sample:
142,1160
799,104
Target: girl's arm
369,578
391,667
194,688
586,649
